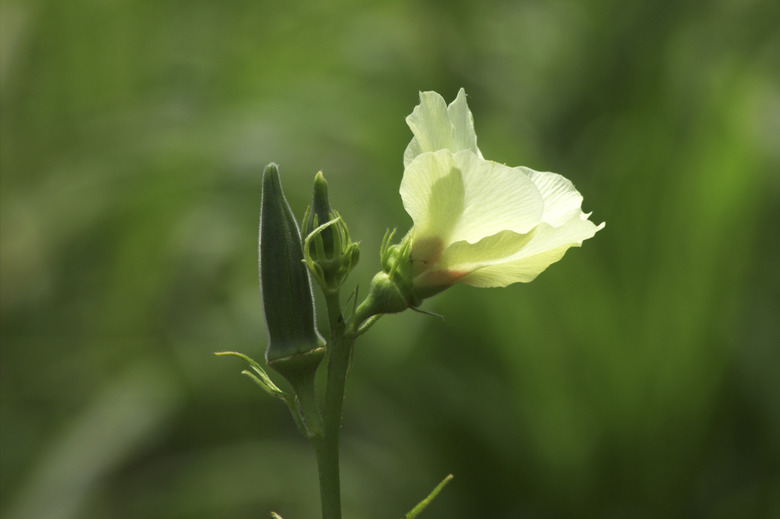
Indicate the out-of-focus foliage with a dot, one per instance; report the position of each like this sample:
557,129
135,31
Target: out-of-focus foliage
636,378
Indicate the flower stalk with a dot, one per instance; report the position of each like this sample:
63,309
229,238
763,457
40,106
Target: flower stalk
328,445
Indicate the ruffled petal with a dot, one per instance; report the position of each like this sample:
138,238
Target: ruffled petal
562,201
436,126
463,135
546,245
461,197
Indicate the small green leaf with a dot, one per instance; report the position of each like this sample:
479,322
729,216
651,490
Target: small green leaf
259,376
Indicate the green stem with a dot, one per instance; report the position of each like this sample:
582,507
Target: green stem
326,445
309,413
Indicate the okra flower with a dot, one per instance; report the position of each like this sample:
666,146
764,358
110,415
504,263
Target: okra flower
478,222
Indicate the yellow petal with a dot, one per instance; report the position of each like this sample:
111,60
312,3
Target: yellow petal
461,197
546,245
466,257
562,201
433,194
436,126
463,136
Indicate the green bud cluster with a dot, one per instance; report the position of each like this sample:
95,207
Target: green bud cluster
329,253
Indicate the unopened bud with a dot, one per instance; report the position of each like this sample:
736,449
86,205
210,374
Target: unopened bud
329,252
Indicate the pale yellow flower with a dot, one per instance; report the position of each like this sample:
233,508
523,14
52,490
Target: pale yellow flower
476,221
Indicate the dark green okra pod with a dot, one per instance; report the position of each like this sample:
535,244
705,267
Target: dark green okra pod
295,347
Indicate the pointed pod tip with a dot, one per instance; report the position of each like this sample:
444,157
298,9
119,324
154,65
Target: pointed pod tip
272,182
271,172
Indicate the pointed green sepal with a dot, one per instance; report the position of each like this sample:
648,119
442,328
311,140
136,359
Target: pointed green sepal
294,344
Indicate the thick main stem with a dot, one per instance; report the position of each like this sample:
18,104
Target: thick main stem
326,445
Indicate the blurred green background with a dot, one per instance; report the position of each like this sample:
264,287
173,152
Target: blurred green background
638,378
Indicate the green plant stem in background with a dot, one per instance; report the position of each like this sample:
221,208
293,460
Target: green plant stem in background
422,505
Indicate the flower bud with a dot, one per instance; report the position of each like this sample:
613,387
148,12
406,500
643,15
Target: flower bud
295,346
319,213
329,252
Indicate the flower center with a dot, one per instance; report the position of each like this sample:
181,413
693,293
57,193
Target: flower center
425,253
